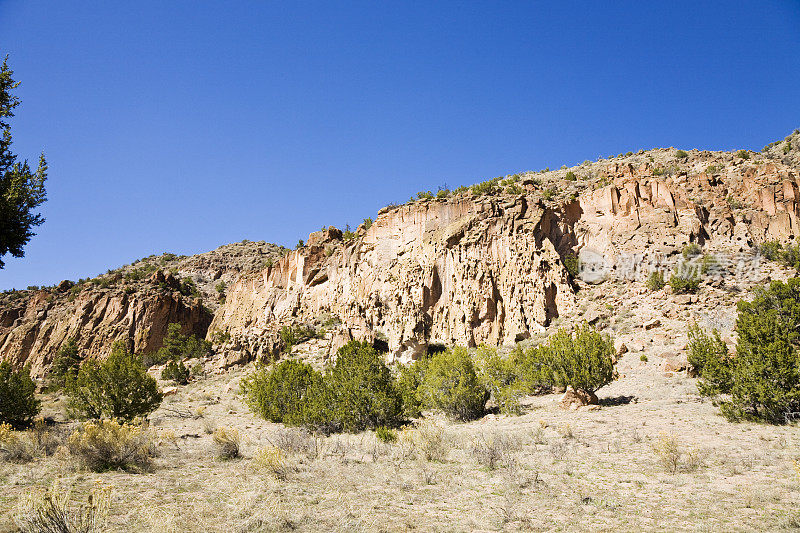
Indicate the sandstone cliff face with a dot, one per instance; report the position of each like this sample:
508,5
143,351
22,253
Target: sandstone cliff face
466,269
457,272
133,304
32,332
470,269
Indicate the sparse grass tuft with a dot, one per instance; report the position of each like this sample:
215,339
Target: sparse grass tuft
672,456
50,511
273,461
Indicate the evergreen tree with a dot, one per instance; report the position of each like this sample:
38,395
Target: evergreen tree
21,189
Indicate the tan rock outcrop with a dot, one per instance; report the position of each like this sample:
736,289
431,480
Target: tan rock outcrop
463,271
32,332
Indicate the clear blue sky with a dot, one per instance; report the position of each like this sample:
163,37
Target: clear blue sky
181,126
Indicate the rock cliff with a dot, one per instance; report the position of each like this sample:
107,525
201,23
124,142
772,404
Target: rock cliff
494,263
133,304
471,268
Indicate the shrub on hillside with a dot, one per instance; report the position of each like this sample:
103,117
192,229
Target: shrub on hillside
107,444
785,254
357,392
685,281
582,359
177,346
655,281
709,358
65,365
277,393
118,387
450,383
294,334
176,371
690,250
18,402
362,390
762,382
501,377
681,154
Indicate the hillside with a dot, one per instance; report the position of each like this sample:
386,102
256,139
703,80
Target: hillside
493,263
134,303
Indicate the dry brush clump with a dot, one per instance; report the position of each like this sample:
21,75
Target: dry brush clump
107,444
24,446
495,450
297,441
674,457
52,511
273,461
227,442
427,440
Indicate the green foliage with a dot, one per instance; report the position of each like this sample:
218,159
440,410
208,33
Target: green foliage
65,365
220,288
442,193
710,360
18,402
787,147
643,358
118,387
176,371
680,154
294,334
572,264
712,169
691,249
582,359
386,435
570,176
501,377
278,393
762,382
549,193
177,347
21,189
362,391
486,188
785,254
356,393
744,154
734,202
659,171
409,383
425,195
367,223
450,383
765,374
685,281
299,244
655,281
188,288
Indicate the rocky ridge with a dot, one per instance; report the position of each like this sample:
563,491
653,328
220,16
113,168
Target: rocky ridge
470,268
134,303
495,263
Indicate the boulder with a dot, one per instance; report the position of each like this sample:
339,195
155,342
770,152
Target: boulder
573,399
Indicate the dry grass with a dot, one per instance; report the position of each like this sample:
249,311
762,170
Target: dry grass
52,511
437,476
